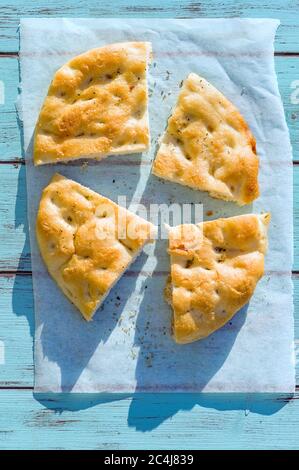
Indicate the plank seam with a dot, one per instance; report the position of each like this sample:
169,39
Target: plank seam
12,162
9,54
286,54
9,387
16,387
16,272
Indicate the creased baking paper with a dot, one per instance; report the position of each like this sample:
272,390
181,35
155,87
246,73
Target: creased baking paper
128,345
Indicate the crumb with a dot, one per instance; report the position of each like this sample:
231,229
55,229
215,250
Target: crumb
84,166
133,354
209,213
149,359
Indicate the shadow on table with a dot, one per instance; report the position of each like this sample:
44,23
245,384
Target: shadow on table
147,411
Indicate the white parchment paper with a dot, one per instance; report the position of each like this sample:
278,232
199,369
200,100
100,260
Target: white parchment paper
128,346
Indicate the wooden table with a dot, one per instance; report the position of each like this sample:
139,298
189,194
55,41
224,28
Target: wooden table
143,421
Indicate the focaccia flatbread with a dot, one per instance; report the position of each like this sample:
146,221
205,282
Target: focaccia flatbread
96,106
87,241
215,267
208,145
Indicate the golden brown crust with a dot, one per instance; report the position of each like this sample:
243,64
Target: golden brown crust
86,241
96,106
215,267
208,145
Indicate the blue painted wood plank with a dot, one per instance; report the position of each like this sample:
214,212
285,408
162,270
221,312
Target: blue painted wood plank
17,326
287,69
16,331
286,11
15,249
147,422
10,136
